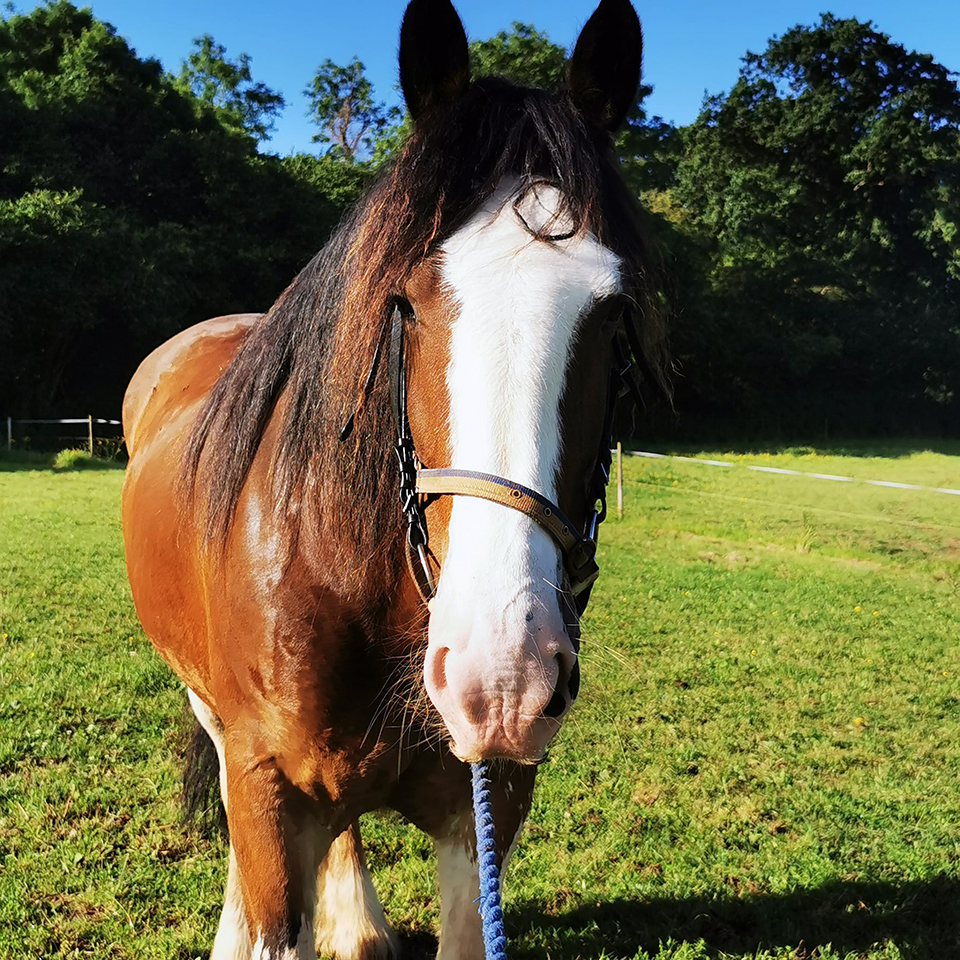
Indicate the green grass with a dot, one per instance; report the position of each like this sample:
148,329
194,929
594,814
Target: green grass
764,761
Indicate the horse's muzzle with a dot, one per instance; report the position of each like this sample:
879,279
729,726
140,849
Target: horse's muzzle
499,699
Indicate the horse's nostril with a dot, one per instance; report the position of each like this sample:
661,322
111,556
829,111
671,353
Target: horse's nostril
558,702
556,706
573,684
436,669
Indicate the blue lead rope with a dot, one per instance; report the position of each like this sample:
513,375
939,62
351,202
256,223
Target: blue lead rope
494,941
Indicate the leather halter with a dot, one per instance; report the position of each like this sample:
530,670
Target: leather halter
420,486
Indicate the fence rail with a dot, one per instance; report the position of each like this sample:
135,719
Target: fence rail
89,421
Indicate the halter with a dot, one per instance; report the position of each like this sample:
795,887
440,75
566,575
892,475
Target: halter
420,486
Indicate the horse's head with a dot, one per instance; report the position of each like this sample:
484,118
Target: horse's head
508,327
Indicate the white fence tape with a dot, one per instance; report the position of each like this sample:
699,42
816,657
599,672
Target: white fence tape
795,473
71,420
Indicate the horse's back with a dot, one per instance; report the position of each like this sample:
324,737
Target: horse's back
183,369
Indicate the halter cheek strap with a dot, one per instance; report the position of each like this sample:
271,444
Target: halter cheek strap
577,551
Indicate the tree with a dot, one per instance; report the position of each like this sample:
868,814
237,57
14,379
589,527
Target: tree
228,85
128,210
649,147
525,56
828,182
343,107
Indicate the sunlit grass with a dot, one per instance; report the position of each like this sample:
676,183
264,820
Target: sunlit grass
763,761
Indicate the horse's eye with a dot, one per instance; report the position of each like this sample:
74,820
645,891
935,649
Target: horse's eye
407,312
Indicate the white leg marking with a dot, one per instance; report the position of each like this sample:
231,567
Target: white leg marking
461,937
214,730
461,934
508,856
304,950
233,937
350,920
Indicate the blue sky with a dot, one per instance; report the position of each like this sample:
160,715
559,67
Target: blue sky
690,46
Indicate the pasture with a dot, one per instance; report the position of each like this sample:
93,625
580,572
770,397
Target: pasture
764,761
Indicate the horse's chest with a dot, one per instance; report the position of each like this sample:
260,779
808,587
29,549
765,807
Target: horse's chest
344,783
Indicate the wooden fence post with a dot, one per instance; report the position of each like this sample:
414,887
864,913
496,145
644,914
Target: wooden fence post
619,480
90,432
9,434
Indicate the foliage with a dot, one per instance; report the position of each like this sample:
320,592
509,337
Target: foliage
339,184
82,460
648,147
343,107
826,186
129,208
212,79
807,221
761,764
524,55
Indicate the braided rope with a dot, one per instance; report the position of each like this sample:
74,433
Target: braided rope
491,915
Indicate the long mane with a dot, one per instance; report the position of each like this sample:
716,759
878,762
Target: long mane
306,360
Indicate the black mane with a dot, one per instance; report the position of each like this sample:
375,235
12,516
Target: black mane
308,357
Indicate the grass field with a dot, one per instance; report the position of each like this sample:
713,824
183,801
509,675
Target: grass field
764,761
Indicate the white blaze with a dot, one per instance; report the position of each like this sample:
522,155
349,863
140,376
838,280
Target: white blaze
518,302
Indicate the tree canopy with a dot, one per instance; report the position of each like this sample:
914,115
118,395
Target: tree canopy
131,207
807,220
343,107
824,188
228,85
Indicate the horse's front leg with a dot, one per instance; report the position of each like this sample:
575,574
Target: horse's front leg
511,790
438,800
277,846
350,920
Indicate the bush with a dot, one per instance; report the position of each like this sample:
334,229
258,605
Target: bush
81,460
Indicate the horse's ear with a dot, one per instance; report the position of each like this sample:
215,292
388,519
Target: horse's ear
434,61
605,66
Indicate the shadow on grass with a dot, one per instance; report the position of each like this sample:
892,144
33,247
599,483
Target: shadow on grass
921,917
25,460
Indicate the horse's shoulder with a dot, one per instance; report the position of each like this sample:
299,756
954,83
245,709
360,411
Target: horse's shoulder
189,362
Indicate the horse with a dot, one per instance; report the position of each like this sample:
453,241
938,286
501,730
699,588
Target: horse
361,527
